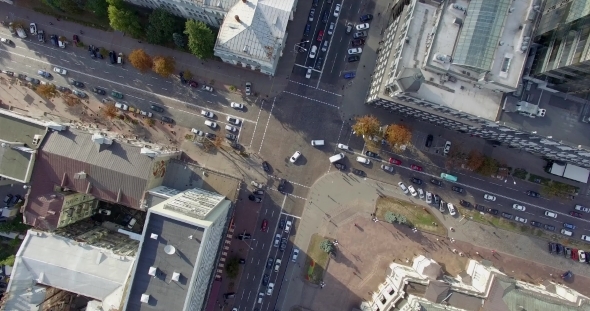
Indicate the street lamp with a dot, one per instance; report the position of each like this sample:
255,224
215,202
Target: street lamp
298,48
514,181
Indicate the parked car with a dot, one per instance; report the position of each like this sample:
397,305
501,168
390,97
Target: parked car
254,198
436,182
360,34
265,166
549,227
6,41
493,211
166,119
429,139
457,189
248,88
363,26
348,28
99,91
355,51
337,10
465,203
403,187
412,190
451,208
489,197
366,17
447,148
358,42
533,194
281,186
416,167
295,156
536,224
520,219
340,166
371,154
359,172
387,168
311,15
416,181
480,207
157,108
518,207
237,105
233,120
349,75
576,214
428,197
582,209
44,74
353,58
507,215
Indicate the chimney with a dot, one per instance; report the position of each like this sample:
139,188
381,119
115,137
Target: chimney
237,18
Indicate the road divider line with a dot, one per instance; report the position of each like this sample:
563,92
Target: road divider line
256,123
290,215
266,128
312,99
311,87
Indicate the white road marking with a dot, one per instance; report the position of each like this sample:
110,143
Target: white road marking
290,215
164,89
256,123
309,86
63,60
312,99
268,121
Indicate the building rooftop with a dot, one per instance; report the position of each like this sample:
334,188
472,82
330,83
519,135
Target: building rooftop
19,139
223,5
255,28
52,260
82,162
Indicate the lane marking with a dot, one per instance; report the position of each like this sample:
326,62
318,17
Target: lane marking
267,122
311,87
290,215
256,123
312,99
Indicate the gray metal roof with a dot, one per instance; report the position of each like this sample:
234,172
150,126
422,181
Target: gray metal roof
14,131
481,33
262,25
165,293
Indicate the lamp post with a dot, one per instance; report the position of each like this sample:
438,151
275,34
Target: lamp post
514,181
297,48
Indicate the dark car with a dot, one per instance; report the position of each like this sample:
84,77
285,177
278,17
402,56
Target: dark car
507,216
269,262
353,58
281,186
54,39
265,166
465,203
193,83
366,17
533,194
436,182
569,226
417,181
559,248
8,198
457,189
436,199
63,89
230,136
325,16
77,84
99,91
229,295
536,224
307,30
576,214
429,139
319,63
244,236
210,135
480,207
157,108
254,198
166,119
265,280
371,154
113,57
492,211
358,42
282,224
567,252
41,36
552,247
340,166
549,227
359,172
16,199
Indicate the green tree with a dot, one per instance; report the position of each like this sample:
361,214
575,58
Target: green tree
489,167
327,246
124,20
232,268
201,39
162,25
401,219
179,40
99,8
390,217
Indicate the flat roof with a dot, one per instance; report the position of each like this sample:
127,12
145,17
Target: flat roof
16,130
164,292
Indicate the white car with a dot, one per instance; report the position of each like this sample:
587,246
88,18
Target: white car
447,147
105,212
412,190
363,160
331,28
313,51
337,10
197,132
146,113
387,168
420,193
355,51
550,214
211,124
33,28
518,207
207,88
489,197
295,254
582,209
269,288
5,41
61,44
343,147
581,256
295,156
277,240
233,120
308,73
403,187
288,225
237,106
428,197
451,208
207,114
362,26
248,88
520,219
121,106
61,71
231,128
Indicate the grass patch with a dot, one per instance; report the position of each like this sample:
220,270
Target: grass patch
502,223
520,173
316,261
539,180
416,216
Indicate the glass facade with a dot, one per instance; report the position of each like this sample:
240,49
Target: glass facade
480,34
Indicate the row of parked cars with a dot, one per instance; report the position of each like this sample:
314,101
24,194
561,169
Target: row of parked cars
575,254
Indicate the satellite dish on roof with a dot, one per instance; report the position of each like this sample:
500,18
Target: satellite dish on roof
169,249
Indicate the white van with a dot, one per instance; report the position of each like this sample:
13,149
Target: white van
317,142
566,232
211,124
120,58
260,297
337,157
586,237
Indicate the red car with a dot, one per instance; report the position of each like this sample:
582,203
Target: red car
395,161
576,214
264,226
193,83
575,254
416,167
320,35
76,39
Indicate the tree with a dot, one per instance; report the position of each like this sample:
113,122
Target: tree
489,167
110,111
69,6
390,217
232,267
140,60
124,20
47,91
187,74
398,135
70,100
100,8
164,66
475,160
149,122
401,219
201,39
366,126
162,25
327,246
455,158
179,40
553,189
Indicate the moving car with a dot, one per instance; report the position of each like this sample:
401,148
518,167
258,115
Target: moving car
355,51
5,41
371,154
489,197
44,74
157,108
277,240
295,156
331,28
533,194
117,94
518,207
359,172
207,88
353,58
363,26
348,28
264,225
550,214
320,36
337,10
417,181
99,91
269,289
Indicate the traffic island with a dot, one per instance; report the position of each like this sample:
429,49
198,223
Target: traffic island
317,260
392,210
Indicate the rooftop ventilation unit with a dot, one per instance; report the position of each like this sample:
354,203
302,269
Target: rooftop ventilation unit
145,298
37,140
169,249
152,271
